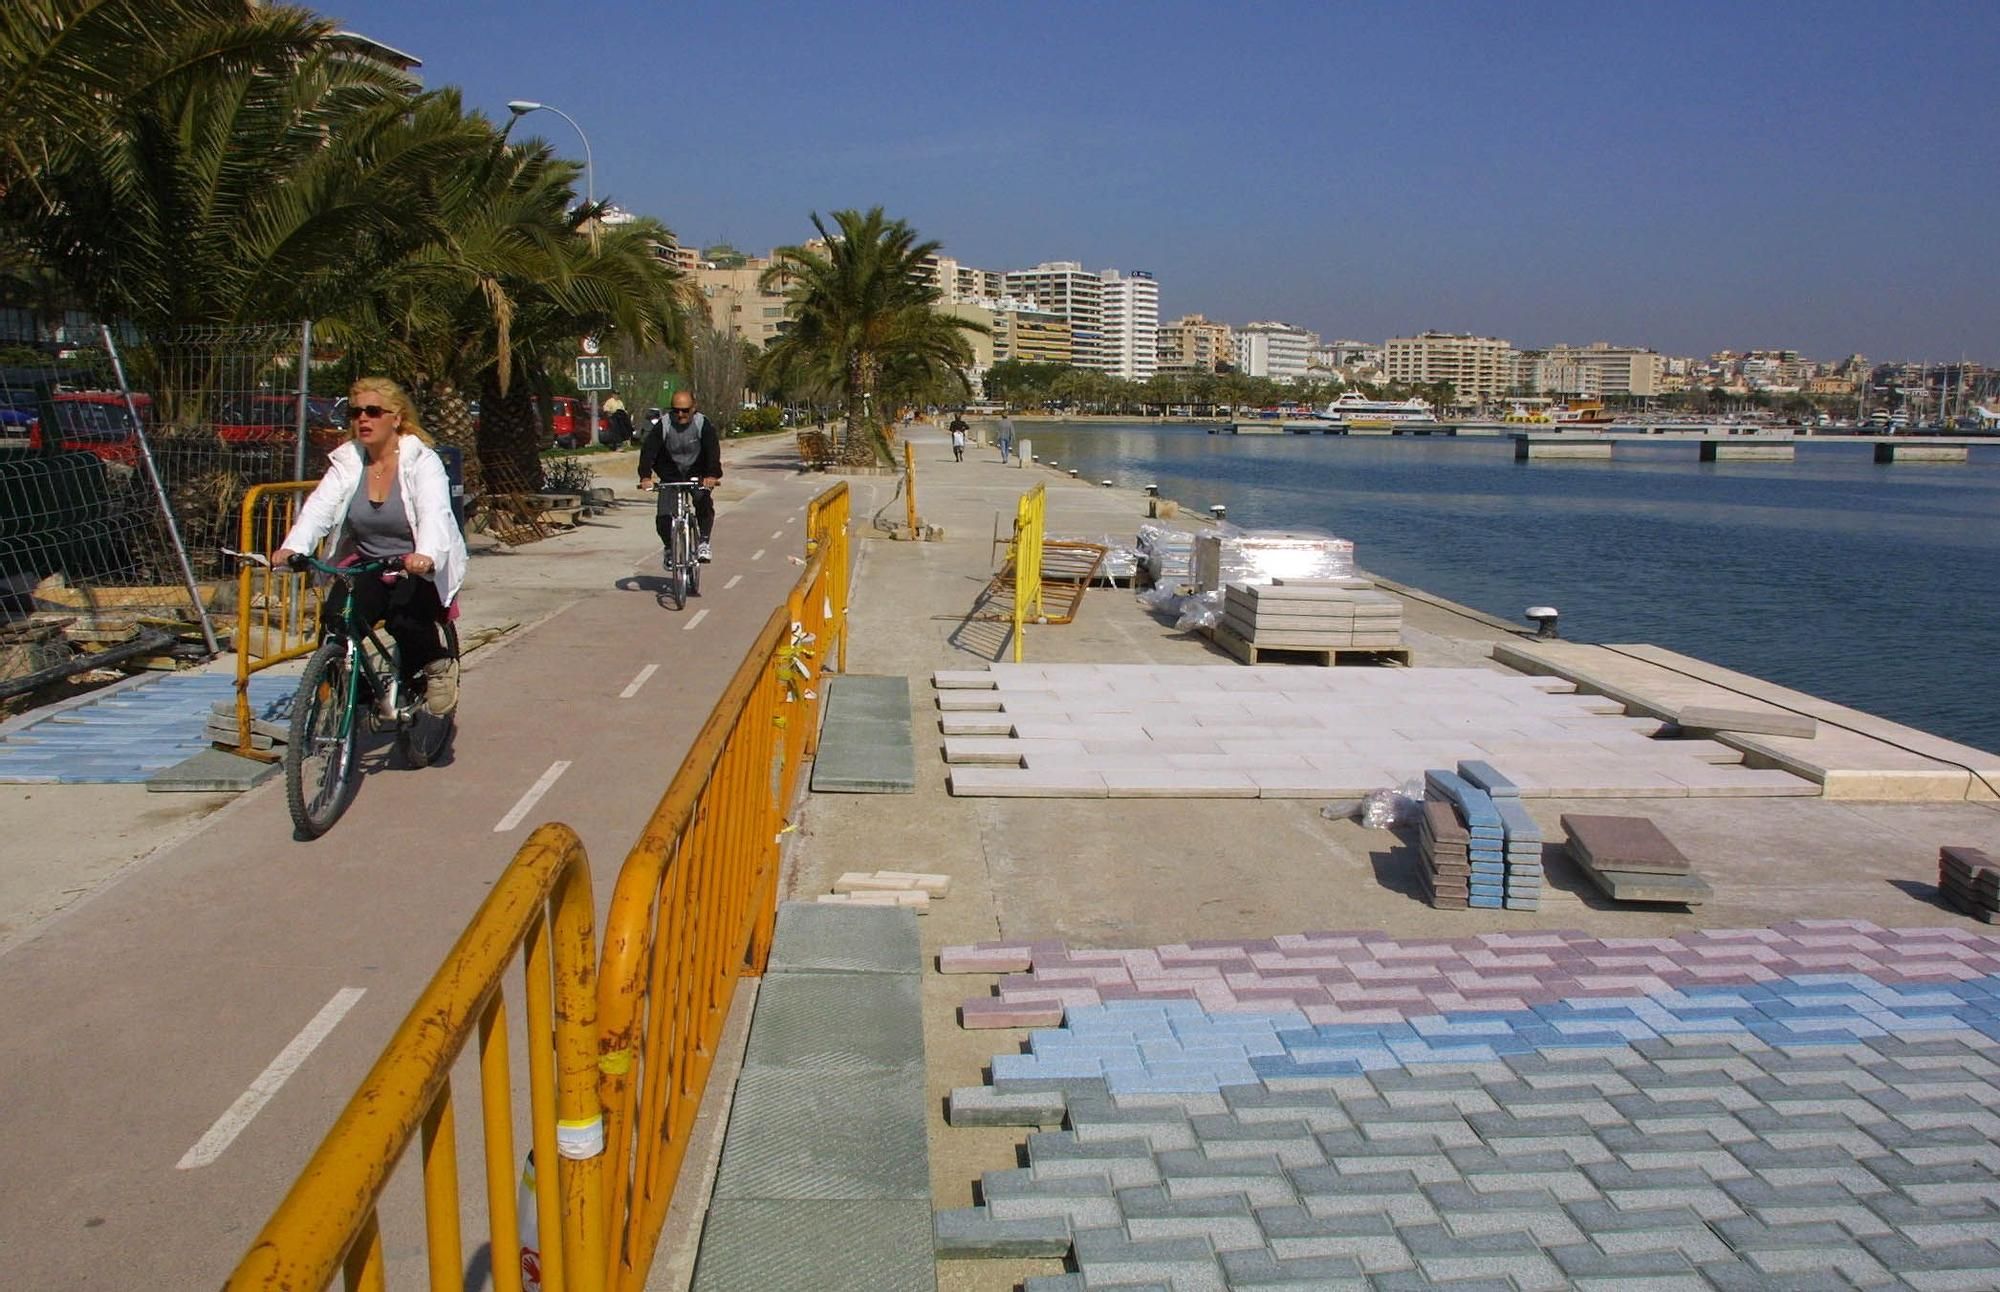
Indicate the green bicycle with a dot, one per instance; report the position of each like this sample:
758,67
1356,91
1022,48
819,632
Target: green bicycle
354,680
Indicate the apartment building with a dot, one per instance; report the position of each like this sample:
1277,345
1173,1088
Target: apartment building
737,304
1278,351
1193,343
1594,371
1479,368
1129,309
958,282
1065,288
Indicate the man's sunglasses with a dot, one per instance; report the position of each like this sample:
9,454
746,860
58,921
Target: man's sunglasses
680,412
357,411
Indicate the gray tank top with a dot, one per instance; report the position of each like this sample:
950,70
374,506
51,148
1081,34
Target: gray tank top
380,528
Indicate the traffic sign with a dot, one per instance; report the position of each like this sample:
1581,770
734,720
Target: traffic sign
593,372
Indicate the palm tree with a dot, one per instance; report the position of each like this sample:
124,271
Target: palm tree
858,306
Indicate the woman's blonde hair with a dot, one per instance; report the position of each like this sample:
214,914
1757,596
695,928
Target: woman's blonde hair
395,397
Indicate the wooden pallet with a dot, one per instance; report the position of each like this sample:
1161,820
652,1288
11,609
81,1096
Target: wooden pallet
1327,656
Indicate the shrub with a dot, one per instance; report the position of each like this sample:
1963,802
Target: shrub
762,420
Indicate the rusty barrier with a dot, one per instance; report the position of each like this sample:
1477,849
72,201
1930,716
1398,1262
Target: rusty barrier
1030,528
277,613
695,903
541,909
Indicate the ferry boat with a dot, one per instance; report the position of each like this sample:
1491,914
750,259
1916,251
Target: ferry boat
1352,410
1582,412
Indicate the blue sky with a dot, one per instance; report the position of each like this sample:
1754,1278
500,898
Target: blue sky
1821,176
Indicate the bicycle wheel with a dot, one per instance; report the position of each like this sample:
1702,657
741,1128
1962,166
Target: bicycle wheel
319,752
677,575
423,737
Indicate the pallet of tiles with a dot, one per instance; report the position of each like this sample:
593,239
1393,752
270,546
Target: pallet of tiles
1486,837
1331,617
1970,882
1631,861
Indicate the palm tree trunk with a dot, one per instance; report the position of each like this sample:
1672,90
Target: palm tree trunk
509,438
448,419
862,447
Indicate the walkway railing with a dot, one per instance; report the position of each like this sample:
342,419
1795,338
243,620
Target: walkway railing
1030,528
277,614
541,909
618,1064
695,903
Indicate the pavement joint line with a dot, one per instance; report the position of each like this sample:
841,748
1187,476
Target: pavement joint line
757,555
699,615
734,579
527,801
240,1114
639,681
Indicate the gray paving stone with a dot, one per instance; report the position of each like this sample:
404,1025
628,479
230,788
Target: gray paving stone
1020,1182
974,1233
1091,1206
855,939
984,1106
1418,1281
1748,1234
1369,1239
1791,1262
1108,1257
1513,1255
832,1022
1459,1196
1483,1158
1257,1190
1897,1171
1739,1275
1130,1162
1899,1211
824,1245
1899,1255
1053,1283
1583,1261
796,1134
1261,1269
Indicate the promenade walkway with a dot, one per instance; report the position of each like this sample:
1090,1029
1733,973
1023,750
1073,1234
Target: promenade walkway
1790,1086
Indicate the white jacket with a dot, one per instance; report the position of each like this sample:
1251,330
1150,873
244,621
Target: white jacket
426,498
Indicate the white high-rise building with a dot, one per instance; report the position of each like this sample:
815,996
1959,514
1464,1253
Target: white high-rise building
1065,288
1130,311
1275,350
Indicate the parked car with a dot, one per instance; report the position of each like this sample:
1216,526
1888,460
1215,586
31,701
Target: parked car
569,421
94,421
273,419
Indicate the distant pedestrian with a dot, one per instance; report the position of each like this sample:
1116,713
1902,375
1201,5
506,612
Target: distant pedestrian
958,429
1006,437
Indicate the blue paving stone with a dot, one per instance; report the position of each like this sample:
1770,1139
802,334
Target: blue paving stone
1482,775
1484,900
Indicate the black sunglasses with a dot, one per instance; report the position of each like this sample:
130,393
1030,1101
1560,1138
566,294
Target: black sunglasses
681,412
366,410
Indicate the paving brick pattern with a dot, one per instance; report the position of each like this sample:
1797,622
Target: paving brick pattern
1278,731
1811,1105
133,732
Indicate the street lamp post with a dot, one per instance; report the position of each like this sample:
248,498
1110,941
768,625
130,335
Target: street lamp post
521,108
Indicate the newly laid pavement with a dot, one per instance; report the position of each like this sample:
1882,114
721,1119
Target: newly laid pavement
1252,1056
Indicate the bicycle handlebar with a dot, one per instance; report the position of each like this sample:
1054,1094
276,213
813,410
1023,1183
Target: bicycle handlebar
302,563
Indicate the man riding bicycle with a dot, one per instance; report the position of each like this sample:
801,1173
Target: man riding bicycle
684,448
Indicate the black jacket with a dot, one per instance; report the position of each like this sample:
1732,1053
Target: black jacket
654,459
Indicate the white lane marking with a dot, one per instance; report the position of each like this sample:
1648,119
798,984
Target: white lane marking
638,681
228,1126
532,797
734,579
777,533
789,520
699,615
757,555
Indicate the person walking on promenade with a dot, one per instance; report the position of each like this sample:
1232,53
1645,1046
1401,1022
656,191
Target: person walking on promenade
1006,437
684,448
958,429
386,493
620,430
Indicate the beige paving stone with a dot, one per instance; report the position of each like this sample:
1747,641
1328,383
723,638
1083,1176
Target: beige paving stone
968,701
1007,782
976,724
969,679
1173,783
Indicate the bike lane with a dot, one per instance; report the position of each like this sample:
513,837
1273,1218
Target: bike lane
145,1024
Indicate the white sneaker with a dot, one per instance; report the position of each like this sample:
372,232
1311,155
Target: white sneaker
440,687
701,554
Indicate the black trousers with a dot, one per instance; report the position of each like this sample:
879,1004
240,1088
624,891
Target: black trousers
409,608
704,514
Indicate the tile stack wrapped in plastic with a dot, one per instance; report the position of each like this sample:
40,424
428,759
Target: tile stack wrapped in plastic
1970,882
1167,553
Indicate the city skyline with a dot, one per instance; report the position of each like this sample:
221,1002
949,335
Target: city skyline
1692,177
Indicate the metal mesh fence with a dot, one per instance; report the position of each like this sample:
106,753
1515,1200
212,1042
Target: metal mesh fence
123,466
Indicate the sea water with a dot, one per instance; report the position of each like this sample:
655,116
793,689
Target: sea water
1874,586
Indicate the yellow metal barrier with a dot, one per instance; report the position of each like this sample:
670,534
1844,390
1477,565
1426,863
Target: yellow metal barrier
625,1050
540,907
695,903
1030,526
910,486
277,615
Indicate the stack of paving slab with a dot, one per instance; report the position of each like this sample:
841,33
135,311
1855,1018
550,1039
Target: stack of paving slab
1167,553
1503,845
1631,861
1970,882
1313,614
1442,849
909,889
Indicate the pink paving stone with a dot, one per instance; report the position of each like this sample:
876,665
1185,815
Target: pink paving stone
1054,974
1148,991
1418,951
1856,926
1514,941
1739,935
1239,981
1396,973
1295,997
1095,956
1480,958
1475,1000
1731,976
990,1012
1055,995
1737,951
1189,973
1475,981
1640,944
982,959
